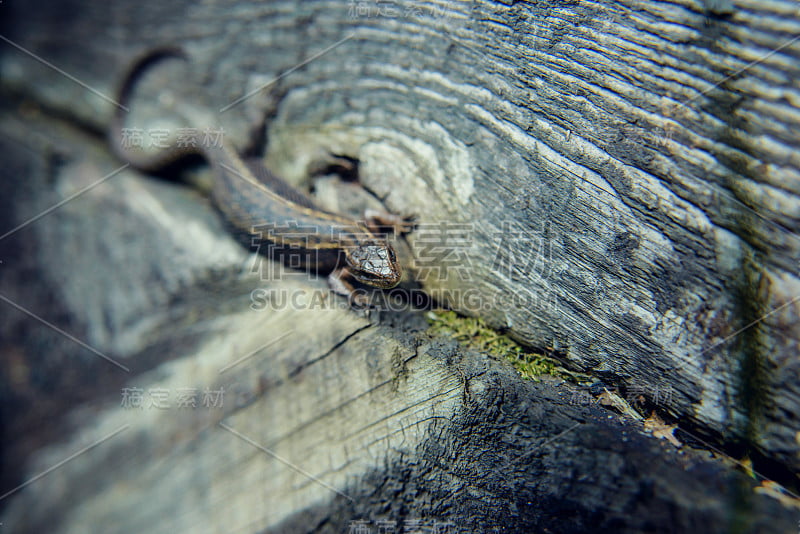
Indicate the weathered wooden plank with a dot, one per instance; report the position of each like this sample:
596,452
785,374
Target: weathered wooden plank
646,187
339,421
325,419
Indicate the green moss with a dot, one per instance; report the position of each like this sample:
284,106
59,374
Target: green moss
738,211
477,335
752,393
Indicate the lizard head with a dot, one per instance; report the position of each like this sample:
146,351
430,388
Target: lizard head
374,264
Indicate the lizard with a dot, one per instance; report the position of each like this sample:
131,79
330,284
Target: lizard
249,197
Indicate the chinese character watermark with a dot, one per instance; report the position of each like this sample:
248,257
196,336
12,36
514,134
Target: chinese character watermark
637,393
164,398
442,251
389,9
405,526
163,138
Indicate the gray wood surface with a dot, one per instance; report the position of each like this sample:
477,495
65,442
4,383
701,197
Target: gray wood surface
325,420
616,182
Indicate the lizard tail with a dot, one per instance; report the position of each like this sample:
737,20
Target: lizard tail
122,145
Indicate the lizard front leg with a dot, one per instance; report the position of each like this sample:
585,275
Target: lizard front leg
339,284
378,220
